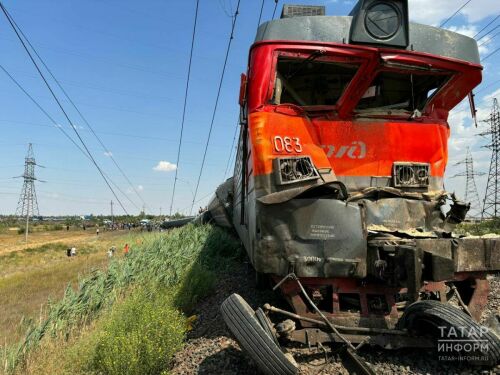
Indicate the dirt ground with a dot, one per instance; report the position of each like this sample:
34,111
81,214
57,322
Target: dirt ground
11,241
211,348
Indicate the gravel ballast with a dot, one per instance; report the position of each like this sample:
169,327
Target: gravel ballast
211,349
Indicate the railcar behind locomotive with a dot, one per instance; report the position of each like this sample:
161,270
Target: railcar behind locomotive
338,193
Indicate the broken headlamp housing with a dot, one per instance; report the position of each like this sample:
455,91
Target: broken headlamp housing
294,169
411,174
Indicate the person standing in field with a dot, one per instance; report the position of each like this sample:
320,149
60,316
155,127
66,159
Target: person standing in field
126,249
97,230
73,251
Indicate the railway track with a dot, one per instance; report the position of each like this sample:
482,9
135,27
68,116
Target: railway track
210,347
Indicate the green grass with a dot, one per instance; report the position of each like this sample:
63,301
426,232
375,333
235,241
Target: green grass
139,336
34,258
25,293
57,247
481,228
168,272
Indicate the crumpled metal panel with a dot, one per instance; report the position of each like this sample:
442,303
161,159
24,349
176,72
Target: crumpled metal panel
476,254
468,254
315,237
336,29
414,217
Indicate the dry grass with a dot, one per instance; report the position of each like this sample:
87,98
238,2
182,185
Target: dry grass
25,294
99,326
49,253
11,241
32,276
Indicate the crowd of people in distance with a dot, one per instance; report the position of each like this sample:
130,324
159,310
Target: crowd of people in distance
71,251
112,251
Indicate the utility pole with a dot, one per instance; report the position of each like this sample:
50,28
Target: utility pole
491,203
471,194
28,205
112,218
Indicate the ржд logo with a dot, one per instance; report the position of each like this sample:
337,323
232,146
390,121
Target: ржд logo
356,150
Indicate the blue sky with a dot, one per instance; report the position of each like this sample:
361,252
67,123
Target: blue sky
124,63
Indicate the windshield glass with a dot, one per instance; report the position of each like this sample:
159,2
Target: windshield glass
405,91
311,81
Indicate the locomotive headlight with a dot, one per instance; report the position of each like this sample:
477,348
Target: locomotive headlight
411,174
405,175
294,169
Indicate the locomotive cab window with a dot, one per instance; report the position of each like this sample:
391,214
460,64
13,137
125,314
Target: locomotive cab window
401,91
311,82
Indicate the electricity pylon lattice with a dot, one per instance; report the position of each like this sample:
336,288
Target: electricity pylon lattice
28,204
471,194
491,203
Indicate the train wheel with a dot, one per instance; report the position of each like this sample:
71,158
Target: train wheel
456,332
245,326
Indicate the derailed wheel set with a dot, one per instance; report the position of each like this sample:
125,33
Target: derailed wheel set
338,194
423,323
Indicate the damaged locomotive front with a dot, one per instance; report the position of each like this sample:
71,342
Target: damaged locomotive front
339,174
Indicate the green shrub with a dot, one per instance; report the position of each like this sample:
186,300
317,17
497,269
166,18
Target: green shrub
197,284
184,259
480,228
140,336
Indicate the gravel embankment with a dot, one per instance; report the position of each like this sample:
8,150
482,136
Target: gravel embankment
210,348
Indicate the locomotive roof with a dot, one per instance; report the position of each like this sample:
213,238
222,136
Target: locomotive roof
335,29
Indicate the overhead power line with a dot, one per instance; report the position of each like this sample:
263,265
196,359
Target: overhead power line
60,105
484,28
231,37
276,7
489,39
237,126
488,86
232,149
108,153
185,103
56,125
491,54
260,14
454,14
489,32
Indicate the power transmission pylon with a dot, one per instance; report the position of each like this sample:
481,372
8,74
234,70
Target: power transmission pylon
471,194
28,204
491,203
